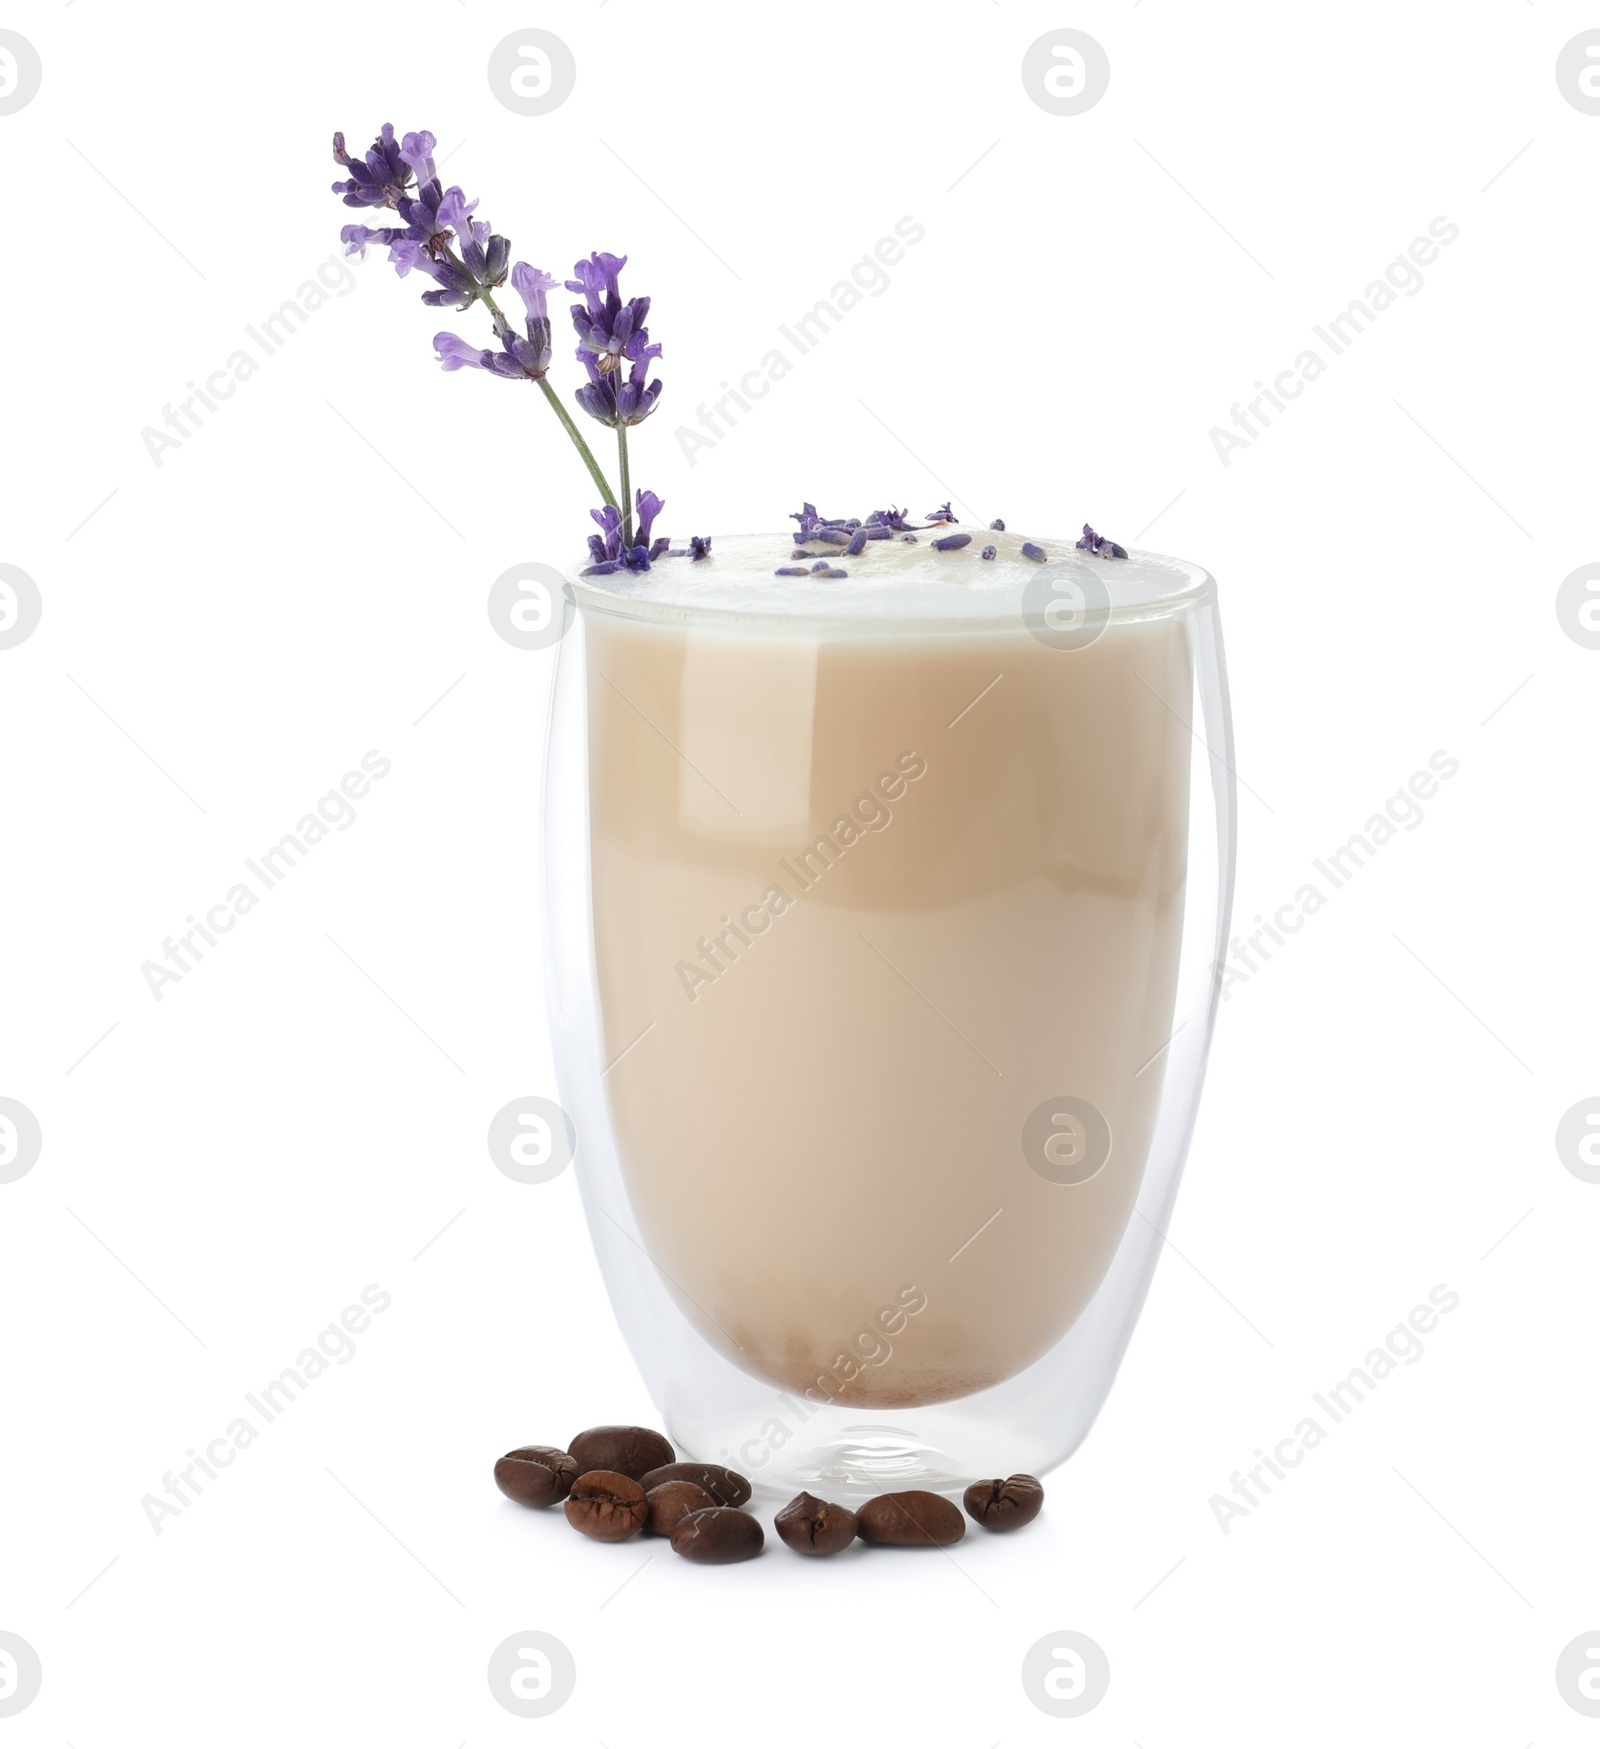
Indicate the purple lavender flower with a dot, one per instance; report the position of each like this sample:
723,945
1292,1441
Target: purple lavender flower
699,546
998,526
454,353
1100,546
611,399
647,507
356,237
606,549
484,261
531,284
381,178
435,217
890,519
611,334
518,357
943,514
605,323
417,150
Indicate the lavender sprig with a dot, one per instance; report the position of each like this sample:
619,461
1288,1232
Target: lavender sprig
467,261
611,332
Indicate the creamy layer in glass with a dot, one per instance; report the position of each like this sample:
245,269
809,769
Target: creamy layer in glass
876,872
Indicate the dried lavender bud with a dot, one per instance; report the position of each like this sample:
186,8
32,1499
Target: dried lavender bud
858,542
1100,546
1030,551
988,553
943,514
950,542
792,571
814,527
998,526
699,546
910,537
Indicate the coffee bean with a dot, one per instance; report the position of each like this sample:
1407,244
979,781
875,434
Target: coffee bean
1005,1505
536,1475
726,1487
915,1517
816,1527
630,1451
670,1502
607,1506
716,1535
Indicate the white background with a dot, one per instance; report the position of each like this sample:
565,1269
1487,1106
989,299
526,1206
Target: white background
225,634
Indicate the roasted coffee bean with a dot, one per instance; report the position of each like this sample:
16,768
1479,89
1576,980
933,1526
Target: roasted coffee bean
630,1451
716,1535
1004,1505
815,1527
670,1502
536,1475
915,1517
726,1487
607,1506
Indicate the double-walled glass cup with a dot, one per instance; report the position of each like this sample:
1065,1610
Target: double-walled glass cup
883,921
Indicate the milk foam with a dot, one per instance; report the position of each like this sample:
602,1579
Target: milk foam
895,580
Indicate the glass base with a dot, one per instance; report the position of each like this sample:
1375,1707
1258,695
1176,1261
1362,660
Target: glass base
848,1455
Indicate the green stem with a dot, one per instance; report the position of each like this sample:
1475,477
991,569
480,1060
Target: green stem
583,449
487,298
627,491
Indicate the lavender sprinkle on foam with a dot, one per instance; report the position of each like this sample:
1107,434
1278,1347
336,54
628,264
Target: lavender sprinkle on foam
988,553
1030,551
948,543
1100,546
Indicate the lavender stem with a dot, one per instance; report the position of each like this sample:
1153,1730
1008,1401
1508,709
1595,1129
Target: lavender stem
582,448
487,298
627,495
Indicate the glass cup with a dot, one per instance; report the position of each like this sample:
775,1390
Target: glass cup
883,938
